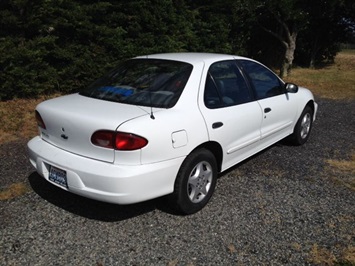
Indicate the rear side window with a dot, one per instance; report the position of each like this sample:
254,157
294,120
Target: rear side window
265,82
146,82
225,86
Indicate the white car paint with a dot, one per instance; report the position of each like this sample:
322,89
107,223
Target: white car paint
115,183
126,177
78,117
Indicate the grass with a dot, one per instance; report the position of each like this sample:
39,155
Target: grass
324,256
336,81
342,171
17,119
321,256
13,191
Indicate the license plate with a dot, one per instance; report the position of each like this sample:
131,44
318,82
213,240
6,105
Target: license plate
58,176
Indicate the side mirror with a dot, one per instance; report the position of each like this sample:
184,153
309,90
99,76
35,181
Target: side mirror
291,88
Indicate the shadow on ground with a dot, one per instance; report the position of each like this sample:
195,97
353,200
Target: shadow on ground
93,209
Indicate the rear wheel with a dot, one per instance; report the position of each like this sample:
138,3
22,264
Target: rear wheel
303,127
195,182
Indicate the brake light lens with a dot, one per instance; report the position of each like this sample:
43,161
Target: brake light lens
129,142
39,120
118,140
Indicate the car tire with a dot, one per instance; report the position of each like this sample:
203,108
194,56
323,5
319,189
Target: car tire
195,182
303,127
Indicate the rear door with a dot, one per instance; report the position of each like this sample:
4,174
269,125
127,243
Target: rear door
232,117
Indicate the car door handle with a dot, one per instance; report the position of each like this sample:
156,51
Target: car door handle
267,109
217,125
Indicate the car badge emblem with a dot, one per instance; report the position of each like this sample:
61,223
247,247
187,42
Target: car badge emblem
63,136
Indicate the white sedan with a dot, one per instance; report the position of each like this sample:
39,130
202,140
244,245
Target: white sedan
166,124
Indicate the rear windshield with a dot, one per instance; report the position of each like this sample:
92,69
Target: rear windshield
146,82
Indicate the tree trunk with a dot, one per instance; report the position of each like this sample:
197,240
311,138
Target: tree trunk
314,51
288,40
290,46
312,62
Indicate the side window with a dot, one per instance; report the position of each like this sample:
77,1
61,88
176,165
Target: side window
211,96
225,86
265,82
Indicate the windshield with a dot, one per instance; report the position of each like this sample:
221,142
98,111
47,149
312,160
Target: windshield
146,82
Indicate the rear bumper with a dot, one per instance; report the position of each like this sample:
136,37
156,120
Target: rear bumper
120,184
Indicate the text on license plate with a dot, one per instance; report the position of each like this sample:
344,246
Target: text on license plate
58,176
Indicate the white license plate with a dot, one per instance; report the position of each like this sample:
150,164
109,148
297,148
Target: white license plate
58,176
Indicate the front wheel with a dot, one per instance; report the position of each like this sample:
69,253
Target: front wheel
195,182
303,127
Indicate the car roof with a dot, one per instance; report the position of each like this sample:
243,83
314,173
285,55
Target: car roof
192,58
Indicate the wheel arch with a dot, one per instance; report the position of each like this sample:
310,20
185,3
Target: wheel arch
313,105
310,104
216,149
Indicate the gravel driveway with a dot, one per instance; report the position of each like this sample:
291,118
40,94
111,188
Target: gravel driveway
284,206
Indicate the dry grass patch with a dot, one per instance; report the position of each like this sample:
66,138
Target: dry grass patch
273,172
176,262
17,119
348,255
336,81
231,249
321,256
342,171
13,191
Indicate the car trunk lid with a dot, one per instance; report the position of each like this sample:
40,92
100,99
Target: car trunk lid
71,120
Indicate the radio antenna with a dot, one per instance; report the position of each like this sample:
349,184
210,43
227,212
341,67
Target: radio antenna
151,106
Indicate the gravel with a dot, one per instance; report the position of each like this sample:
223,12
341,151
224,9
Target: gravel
284,206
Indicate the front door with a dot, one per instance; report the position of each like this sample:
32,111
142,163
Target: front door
279,109
232,117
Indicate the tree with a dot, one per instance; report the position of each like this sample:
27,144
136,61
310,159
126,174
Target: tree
212,25
328,26
56,46
283,20
61,46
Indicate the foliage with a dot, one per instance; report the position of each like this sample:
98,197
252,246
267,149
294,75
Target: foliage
61,46
326,29
333,82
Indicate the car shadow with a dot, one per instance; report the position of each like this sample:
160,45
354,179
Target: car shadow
282,143
108,212
89,208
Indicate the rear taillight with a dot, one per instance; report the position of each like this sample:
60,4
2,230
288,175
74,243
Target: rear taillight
118,140
104,138
39,120
129,142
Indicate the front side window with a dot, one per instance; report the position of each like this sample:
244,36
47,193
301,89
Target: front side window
265,82
225,86
146,82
